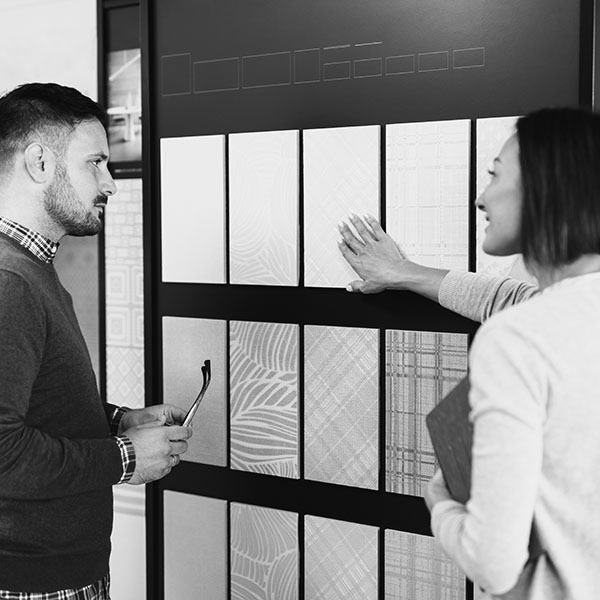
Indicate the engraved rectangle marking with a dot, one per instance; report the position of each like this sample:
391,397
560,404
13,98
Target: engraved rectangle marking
218,75
336,70
368,67
307,65
176,74
433,61
266,70
467,58
400,65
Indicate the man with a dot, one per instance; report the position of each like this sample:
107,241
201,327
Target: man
61,449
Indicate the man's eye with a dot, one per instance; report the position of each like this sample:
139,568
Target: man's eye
491,173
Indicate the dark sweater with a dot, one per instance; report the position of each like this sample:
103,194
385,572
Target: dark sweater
57,459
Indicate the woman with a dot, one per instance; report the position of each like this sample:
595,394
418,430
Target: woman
535,375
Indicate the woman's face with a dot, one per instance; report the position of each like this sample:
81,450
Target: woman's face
501,202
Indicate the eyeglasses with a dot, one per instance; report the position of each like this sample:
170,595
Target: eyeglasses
187,422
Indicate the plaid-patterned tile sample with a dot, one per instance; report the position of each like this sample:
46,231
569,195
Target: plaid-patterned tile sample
421,368
427,191
341,406
192,174
187,343
264,553
341,176
340,560
124,276
491,135
416,568
264,397
263,208
195,545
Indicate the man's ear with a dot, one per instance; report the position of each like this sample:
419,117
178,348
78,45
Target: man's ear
39,162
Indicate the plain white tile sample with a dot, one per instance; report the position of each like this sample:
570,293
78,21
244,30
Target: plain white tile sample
192,174
264,553
263,207
264,397
340,560
427,191
195,546
416,568
341,176
341,405
187,343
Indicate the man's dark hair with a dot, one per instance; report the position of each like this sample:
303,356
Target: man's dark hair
46,112
559,153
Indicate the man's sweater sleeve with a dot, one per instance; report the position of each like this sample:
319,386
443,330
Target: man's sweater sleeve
34,464
478,296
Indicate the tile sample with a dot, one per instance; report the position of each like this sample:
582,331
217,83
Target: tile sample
341,176
192,173
187,343
263,208
195,545
264,553
264,397
421,368
416,568
124,277
341,406
491,135
427,191
340,560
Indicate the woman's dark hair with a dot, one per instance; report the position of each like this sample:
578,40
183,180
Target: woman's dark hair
49,110
559,153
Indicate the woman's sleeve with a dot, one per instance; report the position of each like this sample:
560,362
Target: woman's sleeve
488,537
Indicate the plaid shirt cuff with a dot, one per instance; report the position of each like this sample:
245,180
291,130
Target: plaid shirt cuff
127,457
115,419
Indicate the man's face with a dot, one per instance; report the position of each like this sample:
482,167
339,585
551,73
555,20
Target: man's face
82,183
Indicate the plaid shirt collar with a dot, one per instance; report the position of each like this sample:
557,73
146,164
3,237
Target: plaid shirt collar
40,246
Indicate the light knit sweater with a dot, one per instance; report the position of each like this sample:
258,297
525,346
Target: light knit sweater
535,399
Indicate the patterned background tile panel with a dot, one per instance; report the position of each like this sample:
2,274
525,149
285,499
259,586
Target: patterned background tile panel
421,368
187,343
416,568
192,172
195,546
341,405
264,553
341,560
264,397
263,208
427,170
341,176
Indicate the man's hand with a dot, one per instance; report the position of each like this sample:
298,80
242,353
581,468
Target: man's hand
373,254
436,490
158,448
163,414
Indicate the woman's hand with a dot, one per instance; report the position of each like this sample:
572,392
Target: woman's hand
436,490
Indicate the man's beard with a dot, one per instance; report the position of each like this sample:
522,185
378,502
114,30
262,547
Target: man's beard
63,206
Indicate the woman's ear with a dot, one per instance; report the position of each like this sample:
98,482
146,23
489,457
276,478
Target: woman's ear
39,162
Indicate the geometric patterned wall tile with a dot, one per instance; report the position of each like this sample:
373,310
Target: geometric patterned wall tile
341,411
264,398
421,368
341,176
427,170
341,560
264,553
187,343
193,209
263,208
195,546
416,568
125,376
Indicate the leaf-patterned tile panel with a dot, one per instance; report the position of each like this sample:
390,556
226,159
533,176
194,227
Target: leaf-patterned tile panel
264,553
187,343
264,397
427,189
416,568
192,176
341,176
490,137
341,409
195,546
263,208
421,368
340,560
